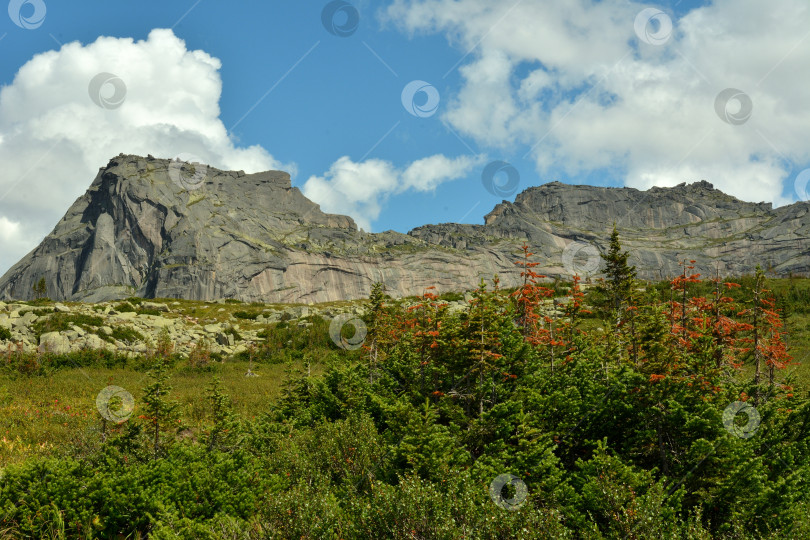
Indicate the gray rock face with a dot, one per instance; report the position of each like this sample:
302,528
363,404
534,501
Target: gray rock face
254,237
663,226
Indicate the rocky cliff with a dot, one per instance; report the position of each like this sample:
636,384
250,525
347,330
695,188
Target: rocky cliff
158,228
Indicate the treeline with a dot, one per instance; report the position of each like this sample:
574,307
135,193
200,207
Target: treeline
674,418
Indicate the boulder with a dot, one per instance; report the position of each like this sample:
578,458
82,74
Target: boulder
157,322
92,341
295,312
155,306
54,343
24,320
225,339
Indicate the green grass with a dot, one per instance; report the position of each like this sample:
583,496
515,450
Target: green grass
43,415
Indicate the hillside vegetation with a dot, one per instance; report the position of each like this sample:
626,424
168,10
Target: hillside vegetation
618,409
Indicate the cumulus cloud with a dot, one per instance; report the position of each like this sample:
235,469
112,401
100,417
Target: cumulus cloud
571,84
8,229
54,135
13,237
361,189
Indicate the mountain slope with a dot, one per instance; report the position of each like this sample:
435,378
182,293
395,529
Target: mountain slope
157,228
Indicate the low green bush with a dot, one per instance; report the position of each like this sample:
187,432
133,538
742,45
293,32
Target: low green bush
124,307
112,497
126,334
61,322
36,363
232,331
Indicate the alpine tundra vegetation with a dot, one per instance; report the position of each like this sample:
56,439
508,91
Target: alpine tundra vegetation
553,409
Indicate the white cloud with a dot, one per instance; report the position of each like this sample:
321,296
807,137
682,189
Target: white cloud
13,238
361,189
8,229
53,137
572,81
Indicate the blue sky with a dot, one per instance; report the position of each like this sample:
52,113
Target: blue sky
593,105
340,100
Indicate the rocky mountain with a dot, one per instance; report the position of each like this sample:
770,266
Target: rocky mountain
158,228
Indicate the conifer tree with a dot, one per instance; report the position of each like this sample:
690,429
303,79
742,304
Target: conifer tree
528,295
725,329
767,334
619,288
41,289
376,319
710,335
654,342
159,410
678,309
757,312
426,327
429,447
575,308
619,275
483,342
222,414
298,385
537,329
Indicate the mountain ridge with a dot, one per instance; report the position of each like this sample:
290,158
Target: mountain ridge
160,228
